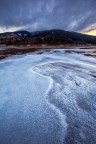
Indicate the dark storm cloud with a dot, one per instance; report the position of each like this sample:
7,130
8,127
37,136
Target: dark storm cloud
73,15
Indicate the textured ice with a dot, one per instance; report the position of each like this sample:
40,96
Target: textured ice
48,98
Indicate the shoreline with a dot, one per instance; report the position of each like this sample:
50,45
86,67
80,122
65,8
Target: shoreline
7,51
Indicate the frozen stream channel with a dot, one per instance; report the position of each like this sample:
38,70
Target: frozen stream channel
48,98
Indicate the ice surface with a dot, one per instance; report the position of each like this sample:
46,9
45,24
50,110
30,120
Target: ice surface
48,98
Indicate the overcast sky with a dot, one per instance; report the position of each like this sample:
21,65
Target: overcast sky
34,15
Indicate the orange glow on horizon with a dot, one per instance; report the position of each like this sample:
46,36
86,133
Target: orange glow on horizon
90,33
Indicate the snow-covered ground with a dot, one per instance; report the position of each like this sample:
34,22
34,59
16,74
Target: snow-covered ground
48,98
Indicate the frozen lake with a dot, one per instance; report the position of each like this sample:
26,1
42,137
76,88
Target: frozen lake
48,97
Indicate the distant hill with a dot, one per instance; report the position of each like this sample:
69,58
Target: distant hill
46,37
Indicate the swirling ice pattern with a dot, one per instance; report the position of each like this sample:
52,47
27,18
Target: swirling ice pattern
48,98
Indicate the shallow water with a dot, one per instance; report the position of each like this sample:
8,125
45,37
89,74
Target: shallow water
48,98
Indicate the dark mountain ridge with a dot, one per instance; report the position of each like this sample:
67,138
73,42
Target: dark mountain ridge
54,36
